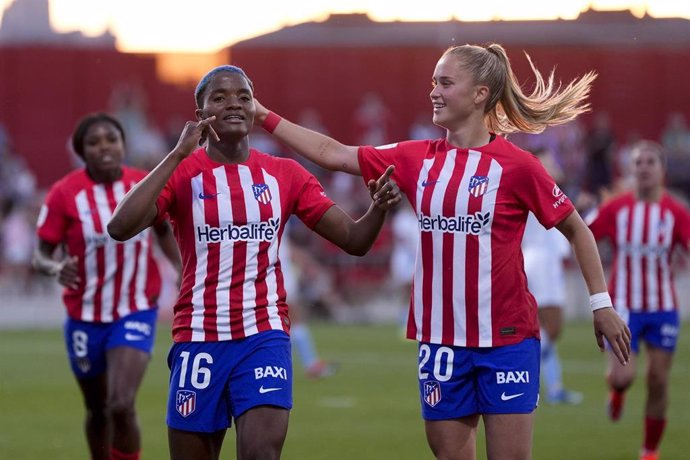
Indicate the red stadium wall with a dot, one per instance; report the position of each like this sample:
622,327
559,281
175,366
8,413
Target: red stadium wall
45,90
637,87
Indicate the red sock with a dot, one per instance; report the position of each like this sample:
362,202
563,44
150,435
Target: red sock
653,430
117,455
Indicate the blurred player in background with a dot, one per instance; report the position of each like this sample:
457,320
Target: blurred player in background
643,227
405,230
544,252
300,333
471,313
110,287
229,205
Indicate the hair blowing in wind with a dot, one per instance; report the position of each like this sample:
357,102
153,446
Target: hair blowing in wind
508,108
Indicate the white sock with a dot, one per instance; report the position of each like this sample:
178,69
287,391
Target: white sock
550,366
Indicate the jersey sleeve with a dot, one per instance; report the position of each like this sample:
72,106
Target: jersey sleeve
682,227
53,220
312,201
165,200
373,161
540,194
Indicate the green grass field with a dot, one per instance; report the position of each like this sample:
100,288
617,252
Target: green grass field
368,410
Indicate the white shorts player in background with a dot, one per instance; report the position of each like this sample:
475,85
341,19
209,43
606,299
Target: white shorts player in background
544,252
300,334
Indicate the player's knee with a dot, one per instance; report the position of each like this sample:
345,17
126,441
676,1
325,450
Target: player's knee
121,407
657,382
620,380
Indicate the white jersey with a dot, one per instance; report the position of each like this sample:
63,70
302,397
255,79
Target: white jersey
544,251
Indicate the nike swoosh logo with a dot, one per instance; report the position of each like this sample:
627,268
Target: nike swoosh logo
204,196
129,336
263,390
505,397
426,183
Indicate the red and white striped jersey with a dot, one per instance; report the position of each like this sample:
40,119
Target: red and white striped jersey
228,220
469,286
643,235
116,278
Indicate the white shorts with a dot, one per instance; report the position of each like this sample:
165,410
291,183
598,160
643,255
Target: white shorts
545,277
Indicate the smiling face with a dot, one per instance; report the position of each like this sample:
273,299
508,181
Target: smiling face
455,96
103,149
230,98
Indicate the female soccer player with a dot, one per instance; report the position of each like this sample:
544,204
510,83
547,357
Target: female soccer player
110,287
471,313
229,205
643,226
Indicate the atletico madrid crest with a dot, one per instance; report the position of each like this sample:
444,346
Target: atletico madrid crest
432,392
185,402
262,193
478,185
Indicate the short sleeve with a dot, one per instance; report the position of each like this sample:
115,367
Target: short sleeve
683,227
52,219
373,161
164,201
540,194
312,201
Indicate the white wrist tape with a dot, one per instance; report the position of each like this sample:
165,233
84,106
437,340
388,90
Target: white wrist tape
600,300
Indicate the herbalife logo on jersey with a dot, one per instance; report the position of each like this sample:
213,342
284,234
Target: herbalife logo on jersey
255,231
470,224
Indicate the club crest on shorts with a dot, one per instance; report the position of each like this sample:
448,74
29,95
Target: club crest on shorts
185,402
432,392
262,193
478,185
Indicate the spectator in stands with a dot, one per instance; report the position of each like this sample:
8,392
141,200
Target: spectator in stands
477,326
676,135
231,357
110,287
600,144
643,226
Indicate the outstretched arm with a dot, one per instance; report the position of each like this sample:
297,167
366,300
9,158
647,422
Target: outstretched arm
316,147
357,237
607,323
137,210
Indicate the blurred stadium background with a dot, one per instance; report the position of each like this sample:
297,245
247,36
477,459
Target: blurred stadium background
363,82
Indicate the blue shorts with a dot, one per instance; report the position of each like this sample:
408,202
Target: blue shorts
213,382
659,329
457,382
87,343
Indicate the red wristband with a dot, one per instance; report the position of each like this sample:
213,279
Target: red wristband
271,121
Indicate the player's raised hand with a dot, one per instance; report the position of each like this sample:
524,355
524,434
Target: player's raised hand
384,191
194,134
261,112
608,324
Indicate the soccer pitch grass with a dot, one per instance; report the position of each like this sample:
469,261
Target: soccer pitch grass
368,410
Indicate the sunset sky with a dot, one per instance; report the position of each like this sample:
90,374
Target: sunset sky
209,25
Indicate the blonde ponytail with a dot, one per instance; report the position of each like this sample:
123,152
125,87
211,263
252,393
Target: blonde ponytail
508,109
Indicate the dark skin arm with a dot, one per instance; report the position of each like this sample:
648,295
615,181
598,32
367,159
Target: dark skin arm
168,245
65,270
137,210
357,237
